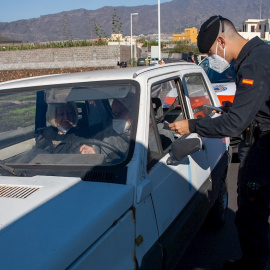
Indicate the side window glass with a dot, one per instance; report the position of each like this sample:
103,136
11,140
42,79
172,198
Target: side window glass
166,106
166,101
198,95
17,112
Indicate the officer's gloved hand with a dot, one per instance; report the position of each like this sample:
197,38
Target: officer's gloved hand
226,106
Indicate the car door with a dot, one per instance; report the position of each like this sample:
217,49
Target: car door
198,93
173,186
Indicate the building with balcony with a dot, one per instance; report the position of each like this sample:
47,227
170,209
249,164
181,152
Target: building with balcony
256,28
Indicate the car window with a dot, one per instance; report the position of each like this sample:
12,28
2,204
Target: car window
226,76
90,125
166,105
198,94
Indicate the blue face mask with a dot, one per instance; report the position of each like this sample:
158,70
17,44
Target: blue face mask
63,130
218,63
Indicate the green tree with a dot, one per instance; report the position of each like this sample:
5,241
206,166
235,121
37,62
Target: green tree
184,47
100,32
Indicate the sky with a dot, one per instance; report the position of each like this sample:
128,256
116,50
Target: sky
13,10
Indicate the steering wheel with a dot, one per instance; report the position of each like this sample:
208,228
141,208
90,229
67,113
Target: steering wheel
102,144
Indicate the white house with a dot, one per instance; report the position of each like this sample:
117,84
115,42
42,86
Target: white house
254,27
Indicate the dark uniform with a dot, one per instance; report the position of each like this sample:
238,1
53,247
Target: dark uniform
251,105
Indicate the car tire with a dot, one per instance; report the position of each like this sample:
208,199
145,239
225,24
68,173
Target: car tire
217,214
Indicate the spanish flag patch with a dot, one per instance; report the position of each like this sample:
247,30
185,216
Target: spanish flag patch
247,81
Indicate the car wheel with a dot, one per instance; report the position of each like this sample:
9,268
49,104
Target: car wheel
216,217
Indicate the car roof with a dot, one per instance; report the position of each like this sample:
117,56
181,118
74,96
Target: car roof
93,76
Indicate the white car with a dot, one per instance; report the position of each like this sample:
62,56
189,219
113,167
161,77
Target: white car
136,200
153,61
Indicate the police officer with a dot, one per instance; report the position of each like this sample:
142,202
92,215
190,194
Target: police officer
250,114
191,58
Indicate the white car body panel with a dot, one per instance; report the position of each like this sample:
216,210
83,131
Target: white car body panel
119,240
146,227
225,89
42,227
177,187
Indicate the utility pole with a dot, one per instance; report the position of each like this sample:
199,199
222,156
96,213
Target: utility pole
261,10
159,45
131,53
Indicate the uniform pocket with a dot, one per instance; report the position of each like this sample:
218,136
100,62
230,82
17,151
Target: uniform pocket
264,141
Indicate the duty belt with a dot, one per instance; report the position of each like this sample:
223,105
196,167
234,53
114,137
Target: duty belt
251,133
264,127
256,131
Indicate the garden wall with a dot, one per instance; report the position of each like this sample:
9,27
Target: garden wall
29,63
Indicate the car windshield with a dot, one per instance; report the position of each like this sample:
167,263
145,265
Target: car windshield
227,76
89,125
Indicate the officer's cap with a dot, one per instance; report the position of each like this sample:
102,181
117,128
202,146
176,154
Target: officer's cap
209,32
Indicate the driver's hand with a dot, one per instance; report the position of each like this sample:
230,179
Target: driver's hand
86,149
181,127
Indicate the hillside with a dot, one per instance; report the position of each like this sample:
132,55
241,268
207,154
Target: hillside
4,40
175,16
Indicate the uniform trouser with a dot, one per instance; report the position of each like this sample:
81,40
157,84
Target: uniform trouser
253,204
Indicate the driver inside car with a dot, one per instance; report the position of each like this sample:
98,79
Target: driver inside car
61,136
119,134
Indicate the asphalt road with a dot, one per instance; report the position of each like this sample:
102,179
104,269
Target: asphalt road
210,249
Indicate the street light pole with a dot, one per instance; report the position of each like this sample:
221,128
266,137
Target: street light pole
159,45
131,54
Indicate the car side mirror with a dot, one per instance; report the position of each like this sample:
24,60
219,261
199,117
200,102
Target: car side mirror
183,147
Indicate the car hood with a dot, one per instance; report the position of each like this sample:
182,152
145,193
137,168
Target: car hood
47,222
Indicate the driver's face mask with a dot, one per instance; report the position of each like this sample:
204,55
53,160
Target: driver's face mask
218,63
121,126
63,130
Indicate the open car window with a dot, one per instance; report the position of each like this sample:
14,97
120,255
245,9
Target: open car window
166,107
90,125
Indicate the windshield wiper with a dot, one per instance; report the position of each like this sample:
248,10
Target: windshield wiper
7,168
